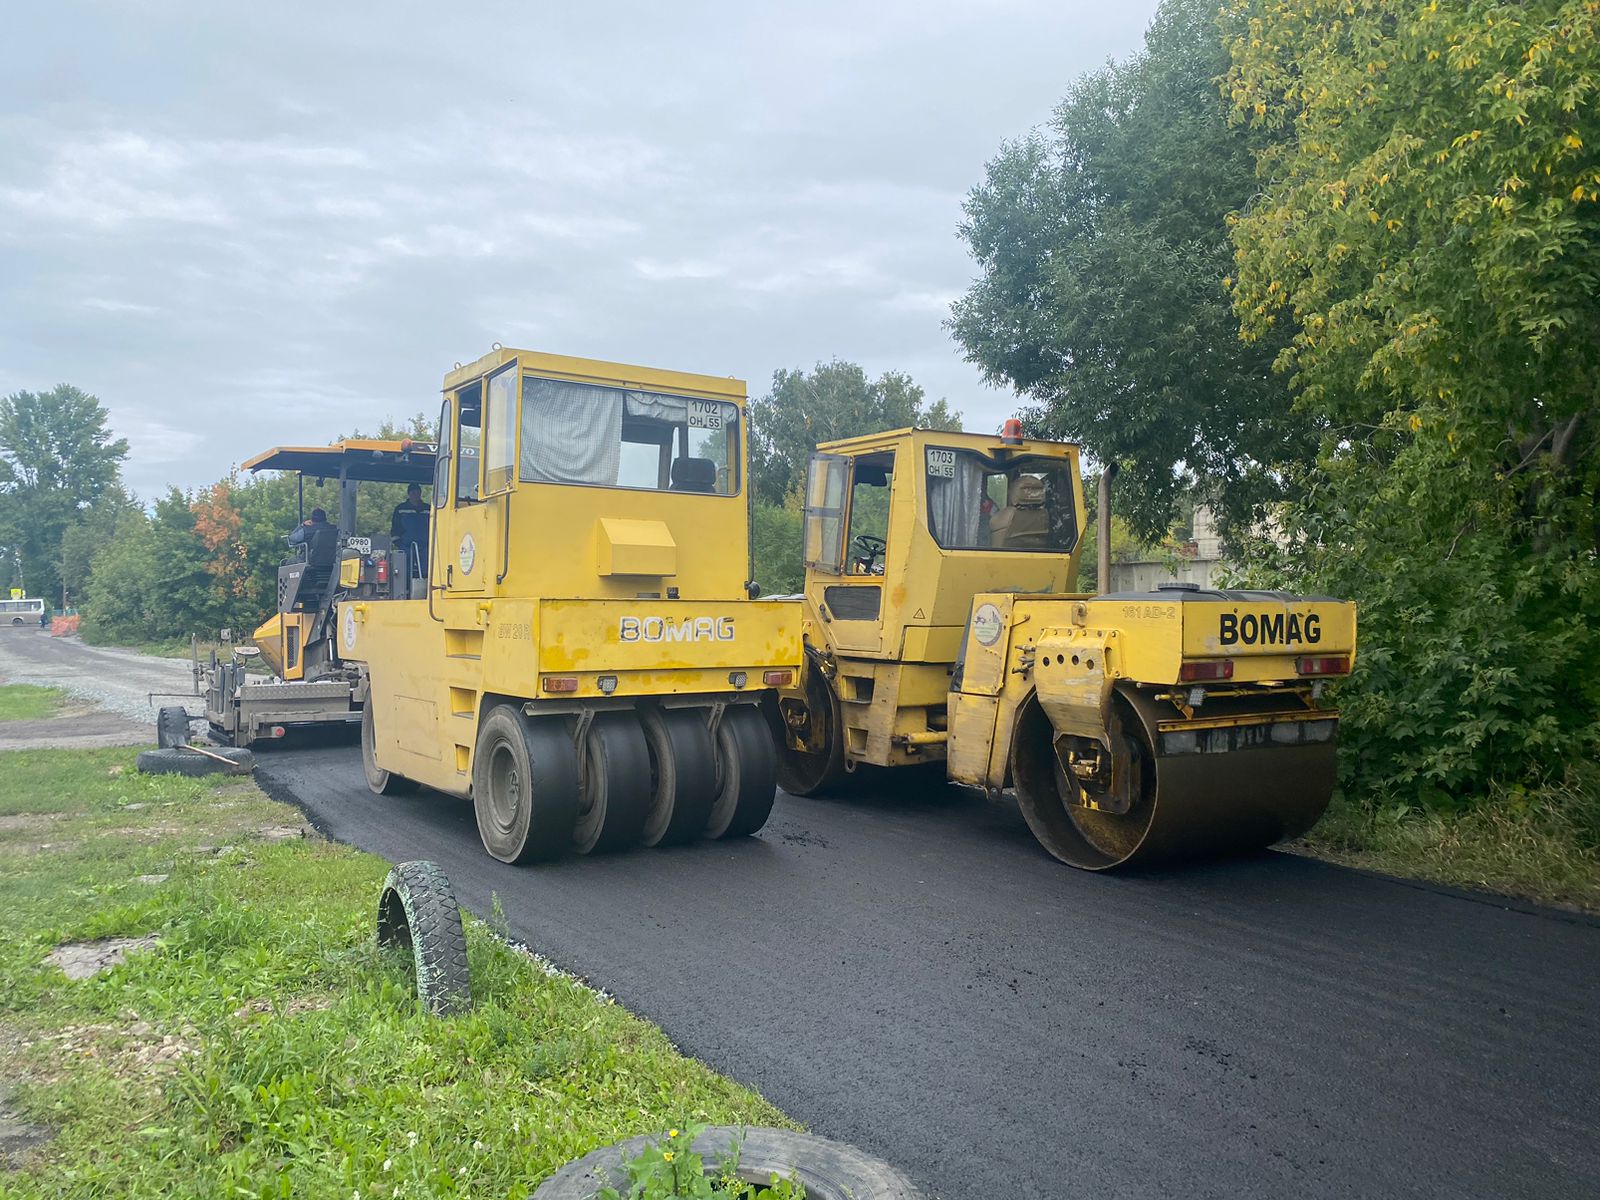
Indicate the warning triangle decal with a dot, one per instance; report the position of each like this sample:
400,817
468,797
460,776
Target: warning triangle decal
918,616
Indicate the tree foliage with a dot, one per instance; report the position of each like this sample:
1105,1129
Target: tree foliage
834,400
1428,235
1102,249
56,457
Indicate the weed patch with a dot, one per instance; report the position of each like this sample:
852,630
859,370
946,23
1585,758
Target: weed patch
26,702
1544,846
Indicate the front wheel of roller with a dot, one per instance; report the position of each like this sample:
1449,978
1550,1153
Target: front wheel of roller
524,786
616,786
683,767
747,774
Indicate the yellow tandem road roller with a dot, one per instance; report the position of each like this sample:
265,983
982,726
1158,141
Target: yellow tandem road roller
940,624
588,662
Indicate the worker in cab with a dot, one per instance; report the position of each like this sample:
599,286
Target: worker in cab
408,526
320,539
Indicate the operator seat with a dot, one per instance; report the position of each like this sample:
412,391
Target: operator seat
1023,524
694,475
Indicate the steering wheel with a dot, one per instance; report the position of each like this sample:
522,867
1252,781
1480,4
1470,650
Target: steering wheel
871,553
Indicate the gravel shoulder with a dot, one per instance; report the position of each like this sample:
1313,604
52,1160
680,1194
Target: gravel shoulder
108,690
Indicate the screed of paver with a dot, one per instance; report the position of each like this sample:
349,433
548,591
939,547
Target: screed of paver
81,960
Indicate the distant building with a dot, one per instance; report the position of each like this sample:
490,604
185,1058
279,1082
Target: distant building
1197,561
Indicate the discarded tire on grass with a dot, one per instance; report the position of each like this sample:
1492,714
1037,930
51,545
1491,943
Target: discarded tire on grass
172,727
177,760
830,1170
418,912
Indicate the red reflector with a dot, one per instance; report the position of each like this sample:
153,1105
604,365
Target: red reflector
278,731
1332,664
560,683
777,678
1221,668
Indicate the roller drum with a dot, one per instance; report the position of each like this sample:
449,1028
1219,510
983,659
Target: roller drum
1187,805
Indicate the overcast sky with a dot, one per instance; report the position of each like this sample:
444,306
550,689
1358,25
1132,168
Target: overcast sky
248,224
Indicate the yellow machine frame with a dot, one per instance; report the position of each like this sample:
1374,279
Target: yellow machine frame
564,601
1133,726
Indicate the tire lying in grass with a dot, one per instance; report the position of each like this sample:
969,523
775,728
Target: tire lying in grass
830,1170
172,727
418,912
176,760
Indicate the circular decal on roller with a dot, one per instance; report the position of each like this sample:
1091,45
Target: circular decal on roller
986,624
349,629
469,553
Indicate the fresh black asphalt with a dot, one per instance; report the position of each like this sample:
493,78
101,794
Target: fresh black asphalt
907,971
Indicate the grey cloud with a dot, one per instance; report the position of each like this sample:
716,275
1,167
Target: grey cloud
242,226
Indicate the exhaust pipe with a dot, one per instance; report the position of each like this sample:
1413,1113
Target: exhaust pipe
1103,528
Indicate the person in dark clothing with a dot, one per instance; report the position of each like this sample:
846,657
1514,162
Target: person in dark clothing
409,529
320,539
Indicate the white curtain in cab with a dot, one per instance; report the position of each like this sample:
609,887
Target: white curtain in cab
955,504
571,432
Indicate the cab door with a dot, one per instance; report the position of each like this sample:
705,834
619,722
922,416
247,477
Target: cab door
483,477
850,604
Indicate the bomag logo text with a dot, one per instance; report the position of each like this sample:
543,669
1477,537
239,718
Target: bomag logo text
689,629
1270,629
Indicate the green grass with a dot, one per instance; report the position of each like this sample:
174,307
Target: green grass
1544,847
266,1046
25,702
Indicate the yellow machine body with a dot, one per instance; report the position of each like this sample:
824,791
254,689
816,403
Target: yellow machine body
1133,726
590,535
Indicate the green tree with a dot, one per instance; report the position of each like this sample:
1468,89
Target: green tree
1429,228
86,537
56,456
1102,246
834,400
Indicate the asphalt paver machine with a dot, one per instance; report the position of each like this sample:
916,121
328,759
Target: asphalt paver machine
305,683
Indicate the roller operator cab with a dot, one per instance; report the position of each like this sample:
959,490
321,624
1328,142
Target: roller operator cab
941,624
587,663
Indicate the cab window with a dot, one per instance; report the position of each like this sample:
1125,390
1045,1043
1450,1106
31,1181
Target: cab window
976,502
629,438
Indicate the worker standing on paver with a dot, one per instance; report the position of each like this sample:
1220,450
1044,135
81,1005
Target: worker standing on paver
408,526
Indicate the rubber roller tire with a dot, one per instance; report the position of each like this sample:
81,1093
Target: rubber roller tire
830,1170
418,912
747,774
683,768
524,786
172,727
177,760
616,785
384,783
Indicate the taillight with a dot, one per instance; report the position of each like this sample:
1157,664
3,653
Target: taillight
560,683
1330,664
1218,668
777,678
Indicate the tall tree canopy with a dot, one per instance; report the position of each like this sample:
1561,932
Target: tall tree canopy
835,400
56,457
1429,228
1102,245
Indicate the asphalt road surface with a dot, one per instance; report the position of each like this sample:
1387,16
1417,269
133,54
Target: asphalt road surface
909,972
